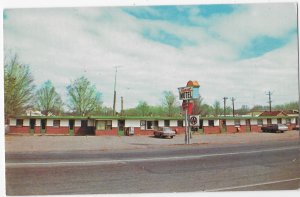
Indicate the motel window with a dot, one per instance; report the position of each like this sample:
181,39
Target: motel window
269,121
260,122
224,122
288,121
237,122
84,123
108,125
211,123
19,122
143,125
167,123
279,120
180,123
151,125
56,123
104,125
248,122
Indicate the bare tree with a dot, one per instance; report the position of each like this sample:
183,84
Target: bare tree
83,96
48,100
170,104
217,108
18,87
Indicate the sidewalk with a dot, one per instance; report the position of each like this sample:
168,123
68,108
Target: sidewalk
15,143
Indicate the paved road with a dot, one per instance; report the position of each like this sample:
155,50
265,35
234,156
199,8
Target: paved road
256,166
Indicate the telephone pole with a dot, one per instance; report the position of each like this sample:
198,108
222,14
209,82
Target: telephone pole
122,105
232,100
115,93
270,101
225,98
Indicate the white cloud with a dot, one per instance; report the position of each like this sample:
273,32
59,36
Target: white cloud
63,44
253,20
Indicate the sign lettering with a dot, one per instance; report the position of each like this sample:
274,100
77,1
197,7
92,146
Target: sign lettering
185,93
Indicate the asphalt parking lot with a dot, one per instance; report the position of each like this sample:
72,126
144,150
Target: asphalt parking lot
18,143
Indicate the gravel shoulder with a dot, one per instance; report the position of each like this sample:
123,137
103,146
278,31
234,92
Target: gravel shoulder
16,143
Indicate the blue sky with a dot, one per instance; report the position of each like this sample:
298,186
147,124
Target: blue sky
181,15
233,50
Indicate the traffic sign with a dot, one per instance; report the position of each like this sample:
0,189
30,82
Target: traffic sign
194,120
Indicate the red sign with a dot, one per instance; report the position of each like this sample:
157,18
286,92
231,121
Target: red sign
188,106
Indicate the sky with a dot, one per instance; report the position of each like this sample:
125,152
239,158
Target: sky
232,50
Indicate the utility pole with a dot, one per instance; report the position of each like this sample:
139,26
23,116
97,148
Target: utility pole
122,105
115,93
232,100
270,101
225,98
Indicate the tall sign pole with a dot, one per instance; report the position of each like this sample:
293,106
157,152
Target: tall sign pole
186,126
186,94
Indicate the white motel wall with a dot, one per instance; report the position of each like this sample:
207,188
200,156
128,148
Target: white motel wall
114,125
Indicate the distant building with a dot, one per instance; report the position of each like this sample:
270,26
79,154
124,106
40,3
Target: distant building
31,112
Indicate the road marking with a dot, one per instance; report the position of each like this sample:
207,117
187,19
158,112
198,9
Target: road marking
250,185
124,161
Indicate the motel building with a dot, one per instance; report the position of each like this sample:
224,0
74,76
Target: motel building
143,125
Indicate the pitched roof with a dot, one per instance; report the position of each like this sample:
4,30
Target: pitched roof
273,113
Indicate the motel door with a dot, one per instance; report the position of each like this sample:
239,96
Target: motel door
248,125
201,124
32,126
71,127
223,126
121,125
43,125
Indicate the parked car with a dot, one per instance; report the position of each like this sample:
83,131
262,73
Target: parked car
296,127
164,132
275,128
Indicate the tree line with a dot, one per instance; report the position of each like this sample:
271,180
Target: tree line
82,96
21,94
84,99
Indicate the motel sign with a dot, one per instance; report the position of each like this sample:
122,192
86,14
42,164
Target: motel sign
185,93
191,91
